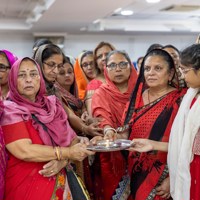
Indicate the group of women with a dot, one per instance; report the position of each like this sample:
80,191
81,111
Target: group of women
52,105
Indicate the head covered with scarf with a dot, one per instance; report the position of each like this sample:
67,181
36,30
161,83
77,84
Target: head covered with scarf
41,55
111,95
47,110
10,56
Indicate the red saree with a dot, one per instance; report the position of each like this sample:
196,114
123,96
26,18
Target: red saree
153,121
108,103
22,178
3,160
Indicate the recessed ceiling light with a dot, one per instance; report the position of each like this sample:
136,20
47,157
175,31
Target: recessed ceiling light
152,1
126,12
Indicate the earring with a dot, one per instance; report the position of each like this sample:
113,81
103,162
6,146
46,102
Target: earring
170,82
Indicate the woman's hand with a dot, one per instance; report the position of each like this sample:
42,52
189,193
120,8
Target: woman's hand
95,139
110,135
93,129
164,189
84,116
84,140
142,145
52,167
79,152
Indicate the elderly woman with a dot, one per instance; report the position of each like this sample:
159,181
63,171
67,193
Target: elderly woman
3,157
151,111
108,103
36,131
6,61
50,59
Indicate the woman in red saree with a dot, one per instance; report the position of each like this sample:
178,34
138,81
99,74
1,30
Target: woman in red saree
38,138
108,103
150,114
3,157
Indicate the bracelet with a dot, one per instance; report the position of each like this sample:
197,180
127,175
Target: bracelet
58,153
107,129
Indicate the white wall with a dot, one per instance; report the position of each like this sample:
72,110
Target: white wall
135,45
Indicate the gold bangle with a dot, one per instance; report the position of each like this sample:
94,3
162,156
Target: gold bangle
57,152
60,153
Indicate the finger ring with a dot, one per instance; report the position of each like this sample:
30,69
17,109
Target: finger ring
51,171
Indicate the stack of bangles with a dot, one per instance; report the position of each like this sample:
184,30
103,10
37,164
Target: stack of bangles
109,129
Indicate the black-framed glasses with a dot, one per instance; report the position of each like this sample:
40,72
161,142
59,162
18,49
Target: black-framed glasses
4,68
121,65
53,65
87,64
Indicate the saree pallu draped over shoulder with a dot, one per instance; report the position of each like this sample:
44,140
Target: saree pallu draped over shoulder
152,121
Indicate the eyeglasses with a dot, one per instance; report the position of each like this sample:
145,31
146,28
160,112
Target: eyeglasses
24,76
86,65
4,68
122,65
185,70
53,65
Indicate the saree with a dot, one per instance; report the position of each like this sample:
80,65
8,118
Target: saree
112,166
152,121
70,100
80,77
3,157
2,164
18,122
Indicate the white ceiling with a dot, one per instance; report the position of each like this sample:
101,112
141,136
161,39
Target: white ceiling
77,16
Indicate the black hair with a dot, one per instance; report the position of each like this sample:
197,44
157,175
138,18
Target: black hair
190,57
172,47
39,43
155,52
154,46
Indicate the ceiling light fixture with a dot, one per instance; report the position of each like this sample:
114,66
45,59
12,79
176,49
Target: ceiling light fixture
117,10
96,21
126,12
152,1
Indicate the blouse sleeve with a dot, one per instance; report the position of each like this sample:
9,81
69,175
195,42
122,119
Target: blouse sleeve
101,109
16,131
